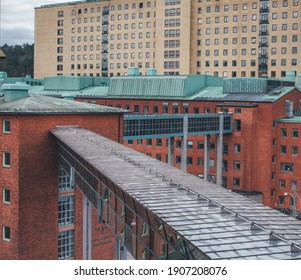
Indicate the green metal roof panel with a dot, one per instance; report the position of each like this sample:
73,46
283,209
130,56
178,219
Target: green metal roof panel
245,85
160,86
67,82
290,120
93,91
37,104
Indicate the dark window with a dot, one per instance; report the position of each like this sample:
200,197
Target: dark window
6,159
6,126
6,196
136,109
237,125
6,233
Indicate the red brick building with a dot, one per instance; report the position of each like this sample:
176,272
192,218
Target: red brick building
29,179
252,158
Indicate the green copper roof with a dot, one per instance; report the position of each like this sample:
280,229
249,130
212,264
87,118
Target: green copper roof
290,120
175,87
37,104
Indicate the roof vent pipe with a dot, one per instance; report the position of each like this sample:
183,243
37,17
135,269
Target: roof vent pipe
289,109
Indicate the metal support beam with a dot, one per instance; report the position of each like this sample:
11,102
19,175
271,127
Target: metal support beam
84,227
184,144
219,168
117,248
206,157
171,148
89,230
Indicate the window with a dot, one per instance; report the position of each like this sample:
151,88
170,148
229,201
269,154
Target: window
6,126
149,142
6,233
237,148
64,180
136,108
189,161
294,150
293,185
189,144
225,165
295,133
6,196
236,165
200,161
281,183
281,200
283,132
286,167
225,149
159,142
282,149
145,229
66,210
201,145
236,182
237,125
6,159
178,159
66,245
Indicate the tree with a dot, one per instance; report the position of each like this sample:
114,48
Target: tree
19,60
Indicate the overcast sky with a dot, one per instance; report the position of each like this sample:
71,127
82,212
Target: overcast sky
17,20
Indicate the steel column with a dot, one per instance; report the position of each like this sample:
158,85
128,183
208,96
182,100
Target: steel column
184,144
206,157
171,148
220,152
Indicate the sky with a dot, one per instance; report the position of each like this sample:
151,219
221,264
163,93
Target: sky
17,20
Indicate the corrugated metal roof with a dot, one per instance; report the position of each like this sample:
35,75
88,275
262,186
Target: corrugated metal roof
37,104
212,93
176,87
220,223
94,91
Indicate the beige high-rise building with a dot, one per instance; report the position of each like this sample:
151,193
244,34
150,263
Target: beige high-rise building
228,38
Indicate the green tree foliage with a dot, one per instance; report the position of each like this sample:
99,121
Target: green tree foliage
19,60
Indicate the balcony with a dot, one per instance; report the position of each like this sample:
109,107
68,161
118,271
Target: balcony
264,21
263,66
262,45
262,33
265,10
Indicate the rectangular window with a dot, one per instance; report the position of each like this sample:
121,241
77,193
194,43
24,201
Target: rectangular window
6,233
136,108
236,182
282,149
283,132
189,144
237,125
281,183
66,210
159,142
236,165
64,180
6,126
295,133
286,167
6,159
6,196
281,200
293,185
66,245
200,161
237,148
225,149
294,150
201,145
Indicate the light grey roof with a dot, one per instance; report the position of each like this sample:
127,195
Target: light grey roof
218,222
37,104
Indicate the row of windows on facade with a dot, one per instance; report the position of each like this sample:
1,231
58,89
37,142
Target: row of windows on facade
234,74
244,18
246,6
244,29
283,151
243,63
190,145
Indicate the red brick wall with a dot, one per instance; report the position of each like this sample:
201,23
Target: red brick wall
35,177
255,139
9,179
